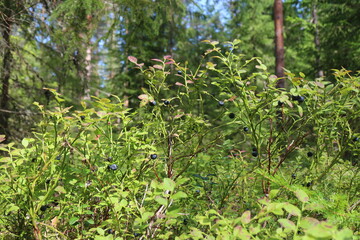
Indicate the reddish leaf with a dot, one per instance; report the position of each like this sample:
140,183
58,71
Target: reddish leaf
132,59
156,60
158,67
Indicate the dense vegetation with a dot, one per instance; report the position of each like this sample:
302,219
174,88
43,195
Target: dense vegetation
120,120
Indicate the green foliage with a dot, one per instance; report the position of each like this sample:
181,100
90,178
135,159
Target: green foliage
91,173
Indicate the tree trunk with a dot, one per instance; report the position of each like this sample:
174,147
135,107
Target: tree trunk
6,67
319,71
279,43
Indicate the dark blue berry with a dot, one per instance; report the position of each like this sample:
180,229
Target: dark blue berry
295,98
166,102
43,208
355,139
82,117
58,157
112,167
254,153
152,103
301,99
232,115
293,176
310,154
246,129
179,72
110,231
153,156
308,184
221,103
137,234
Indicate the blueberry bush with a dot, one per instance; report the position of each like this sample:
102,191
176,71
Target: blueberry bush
216,152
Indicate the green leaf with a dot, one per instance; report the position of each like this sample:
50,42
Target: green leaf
169,184
73,220
345,234
275,208
100,231
241,233
161,200
246,217
301,111
322,230
308,222
60,189
273,192
25,142
203,220
179,195
90,221
302,196
292,209
286,223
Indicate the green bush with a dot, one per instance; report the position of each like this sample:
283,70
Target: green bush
212,153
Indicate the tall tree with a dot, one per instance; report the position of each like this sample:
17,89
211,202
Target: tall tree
279,43
251,22
7,9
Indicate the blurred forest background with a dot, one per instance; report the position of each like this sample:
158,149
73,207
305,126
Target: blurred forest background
80,47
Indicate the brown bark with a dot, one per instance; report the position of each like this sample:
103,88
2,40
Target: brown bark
279,43
6,66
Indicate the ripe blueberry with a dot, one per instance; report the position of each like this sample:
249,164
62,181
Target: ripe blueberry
110,231
152,103
310,154
232,115
166,102
137,234
43,208
179,72
112,167
295,98
221,103
355,139
153,156
301,99
246,129
254,153
293,176
308,184
58,157
82,118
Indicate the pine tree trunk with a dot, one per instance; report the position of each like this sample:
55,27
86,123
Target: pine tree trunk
6,22
279,43
319,71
